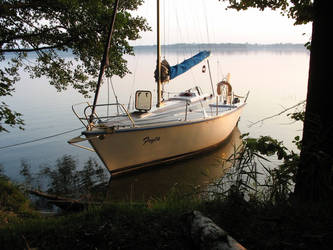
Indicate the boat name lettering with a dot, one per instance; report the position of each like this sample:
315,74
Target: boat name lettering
149,140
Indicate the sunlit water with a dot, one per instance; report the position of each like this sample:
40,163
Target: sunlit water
276,79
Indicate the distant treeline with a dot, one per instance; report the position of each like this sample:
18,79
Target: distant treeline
219,47
226,47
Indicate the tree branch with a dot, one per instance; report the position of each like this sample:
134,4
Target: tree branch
283,111
31,49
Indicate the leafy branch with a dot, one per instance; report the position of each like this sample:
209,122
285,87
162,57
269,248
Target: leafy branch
35,35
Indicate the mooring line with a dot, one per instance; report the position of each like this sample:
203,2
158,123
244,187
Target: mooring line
40,139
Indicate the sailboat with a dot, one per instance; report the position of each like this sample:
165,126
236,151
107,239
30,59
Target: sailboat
177,127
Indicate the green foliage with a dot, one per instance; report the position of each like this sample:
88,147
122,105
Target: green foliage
265,145
25,171
11,197
116,226
62,40
297,116
135,226
9,117
91,174
300,10
180,198
2,172
14,205
65,177
251,175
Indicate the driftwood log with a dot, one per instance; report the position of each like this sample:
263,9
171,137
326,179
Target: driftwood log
64,203
206,235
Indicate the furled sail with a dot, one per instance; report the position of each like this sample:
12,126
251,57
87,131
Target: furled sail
187,64
170,72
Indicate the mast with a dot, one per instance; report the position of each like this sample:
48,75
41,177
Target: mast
159,91
105,60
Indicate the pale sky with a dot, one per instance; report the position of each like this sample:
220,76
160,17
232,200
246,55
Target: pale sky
203,21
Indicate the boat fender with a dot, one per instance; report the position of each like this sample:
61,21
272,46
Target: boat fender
220,86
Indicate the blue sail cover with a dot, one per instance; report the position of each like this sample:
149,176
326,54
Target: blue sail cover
187,64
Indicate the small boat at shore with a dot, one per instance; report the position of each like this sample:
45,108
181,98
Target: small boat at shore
177,127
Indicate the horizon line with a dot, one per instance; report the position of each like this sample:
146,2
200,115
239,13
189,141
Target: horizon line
228,43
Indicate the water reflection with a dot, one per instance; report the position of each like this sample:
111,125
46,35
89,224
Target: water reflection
275,80
157,181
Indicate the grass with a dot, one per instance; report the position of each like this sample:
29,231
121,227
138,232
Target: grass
159,224
120,226
14,205
258,212
281,226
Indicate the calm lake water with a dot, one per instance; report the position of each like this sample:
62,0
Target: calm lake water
276,79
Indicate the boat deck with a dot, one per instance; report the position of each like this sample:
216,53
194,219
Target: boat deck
173,110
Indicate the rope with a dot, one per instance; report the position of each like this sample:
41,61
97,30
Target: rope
137,59
239,96
114,93
40,139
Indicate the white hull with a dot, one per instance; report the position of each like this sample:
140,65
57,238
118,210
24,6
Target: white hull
129,148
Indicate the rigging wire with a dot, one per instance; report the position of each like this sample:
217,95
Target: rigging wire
107,107
202,37
164,36
40,139
206,20
182,47
114,93
136,59
133,84
213,46
187,27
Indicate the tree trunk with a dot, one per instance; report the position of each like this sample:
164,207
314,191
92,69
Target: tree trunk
206,235
314,176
